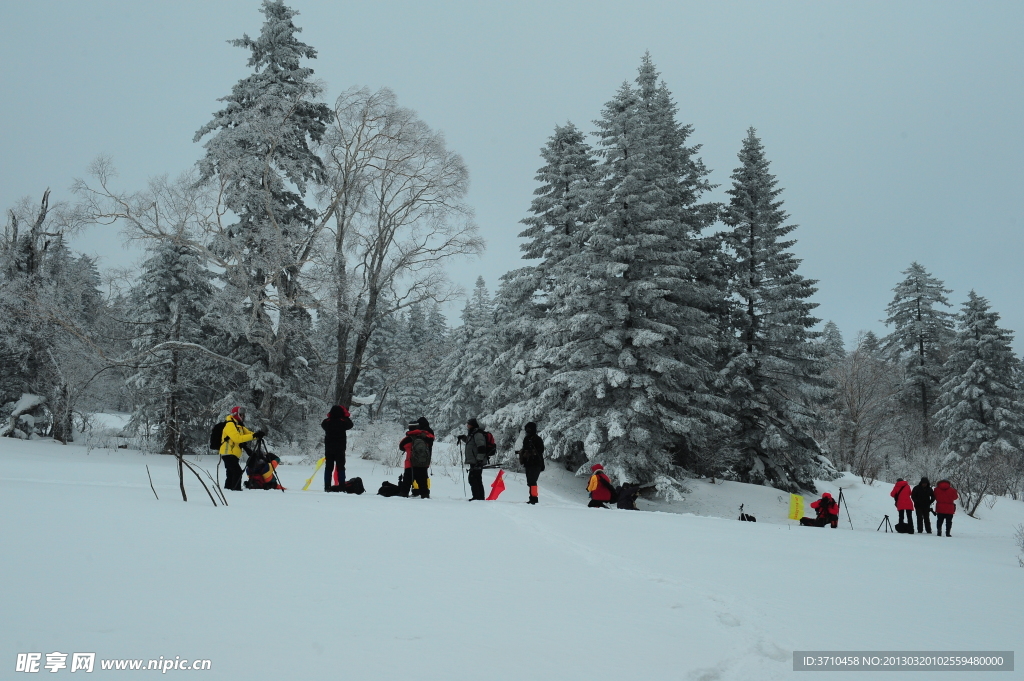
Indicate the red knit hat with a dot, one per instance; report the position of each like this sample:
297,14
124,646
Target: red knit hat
238,412
596,467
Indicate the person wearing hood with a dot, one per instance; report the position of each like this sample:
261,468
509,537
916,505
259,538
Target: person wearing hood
826,510
532,458
923,497
600,487
476,457
901,494
335,442
234,438
418,445
945,496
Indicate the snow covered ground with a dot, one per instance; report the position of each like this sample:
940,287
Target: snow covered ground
307,585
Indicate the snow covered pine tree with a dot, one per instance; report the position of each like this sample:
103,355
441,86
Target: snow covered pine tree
773,372
625,341
467,369
259,151
980,405
921,332
561,215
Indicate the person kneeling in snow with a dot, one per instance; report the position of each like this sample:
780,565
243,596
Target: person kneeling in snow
261,468
827,512
600,487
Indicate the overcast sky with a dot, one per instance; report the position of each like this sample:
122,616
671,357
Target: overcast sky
896,128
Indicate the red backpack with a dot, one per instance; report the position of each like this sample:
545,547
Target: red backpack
492,447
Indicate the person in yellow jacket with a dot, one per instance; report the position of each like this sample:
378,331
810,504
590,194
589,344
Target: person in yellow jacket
234,435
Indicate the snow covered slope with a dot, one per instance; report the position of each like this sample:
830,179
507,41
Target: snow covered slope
307,585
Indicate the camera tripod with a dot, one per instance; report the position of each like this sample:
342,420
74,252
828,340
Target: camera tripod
888,525
842,502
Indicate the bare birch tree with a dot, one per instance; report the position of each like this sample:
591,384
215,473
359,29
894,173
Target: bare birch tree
396,194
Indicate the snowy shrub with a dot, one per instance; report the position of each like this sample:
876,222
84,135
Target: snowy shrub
378,441
25,418
669,489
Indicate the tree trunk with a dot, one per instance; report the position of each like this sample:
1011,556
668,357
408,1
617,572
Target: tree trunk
181,478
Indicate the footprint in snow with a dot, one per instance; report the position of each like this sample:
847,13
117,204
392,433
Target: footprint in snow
728,620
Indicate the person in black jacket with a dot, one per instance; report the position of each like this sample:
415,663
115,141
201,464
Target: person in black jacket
923,496
335,441
627,497
532,458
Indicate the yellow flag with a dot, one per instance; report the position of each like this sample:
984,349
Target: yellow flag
796,507
319,464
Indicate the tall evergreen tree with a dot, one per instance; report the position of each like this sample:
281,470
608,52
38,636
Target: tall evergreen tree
920,335
175,387
773,372
466,369
624,344
259,151
561,215
832,340
981,412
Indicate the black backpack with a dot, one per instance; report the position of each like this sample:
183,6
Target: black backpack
354,486
420,452
389,489
217,436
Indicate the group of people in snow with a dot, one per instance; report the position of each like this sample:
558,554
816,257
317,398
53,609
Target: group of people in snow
908,501
919,501
417,445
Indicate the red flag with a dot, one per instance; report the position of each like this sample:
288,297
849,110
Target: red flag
498,486
336,483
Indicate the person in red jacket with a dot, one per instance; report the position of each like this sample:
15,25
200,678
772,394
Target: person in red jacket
902,494
945,495
600,487
418,445
827,511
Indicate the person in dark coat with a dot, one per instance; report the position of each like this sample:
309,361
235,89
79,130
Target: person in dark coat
476,457
627,497
335,441
923,497
418,445
945,506
901,494
599,486
826,510
532,458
